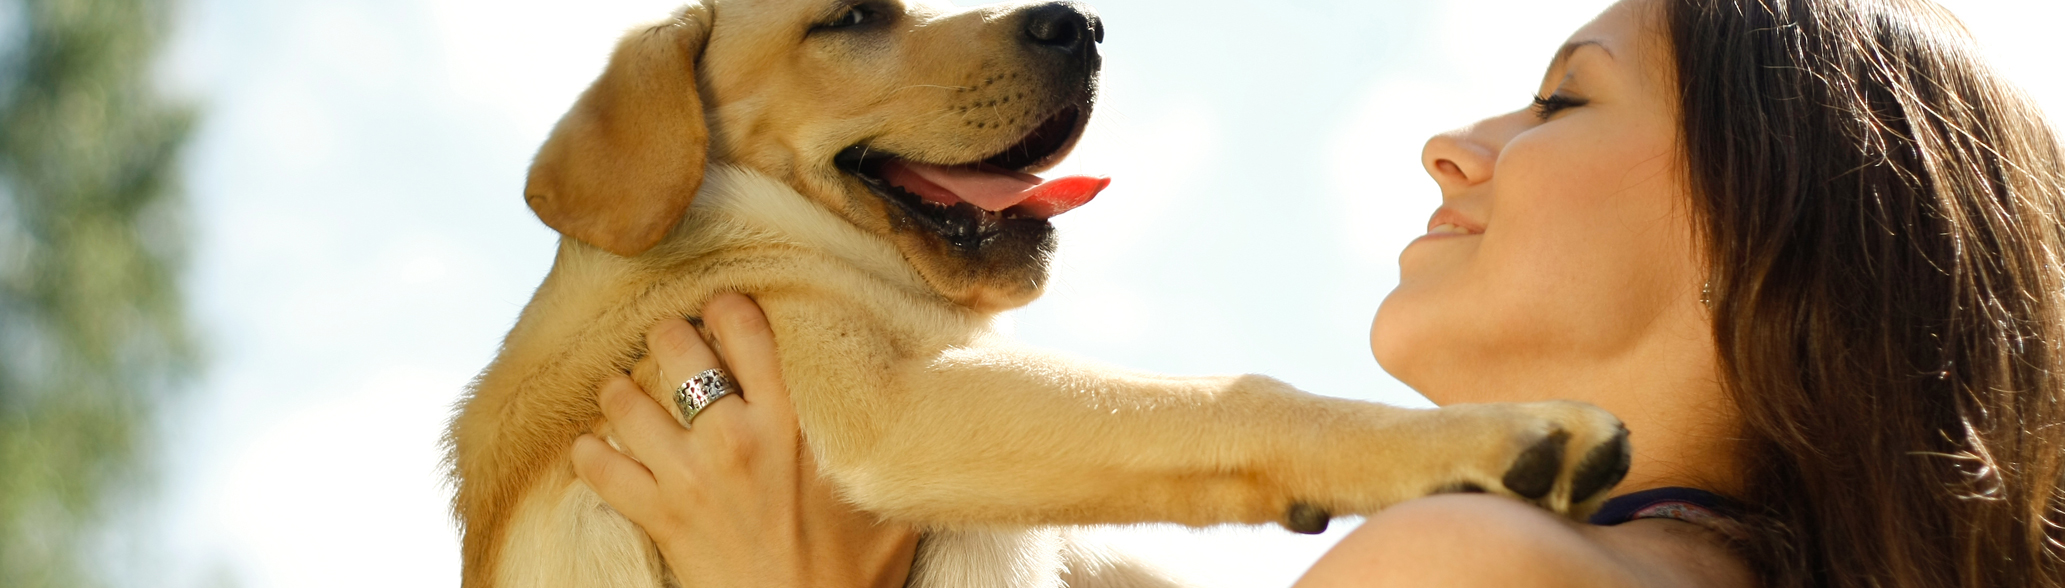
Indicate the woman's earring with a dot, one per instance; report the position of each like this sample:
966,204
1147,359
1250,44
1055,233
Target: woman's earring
1706,294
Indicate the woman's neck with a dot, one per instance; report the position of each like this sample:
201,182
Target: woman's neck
1682,423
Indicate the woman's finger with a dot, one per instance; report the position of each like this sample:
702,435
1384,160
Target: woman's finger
619,480
682,354
645,430
679,349
749,351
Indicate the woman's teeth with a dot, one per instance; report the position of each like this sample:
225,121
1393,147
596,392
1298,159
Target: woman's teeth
1447,229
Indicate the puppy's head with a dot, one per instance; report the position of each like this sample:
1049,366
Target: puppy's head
913,120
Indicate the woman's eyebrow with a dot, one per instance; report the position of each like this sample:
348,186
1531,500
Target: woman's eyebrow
1563,54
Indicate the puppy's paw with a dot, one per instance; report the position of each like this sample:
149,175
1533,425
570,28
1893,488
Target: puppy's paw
1564,456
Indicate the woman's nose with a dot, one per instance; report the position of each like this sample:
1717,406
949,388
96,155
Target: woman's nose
1460,158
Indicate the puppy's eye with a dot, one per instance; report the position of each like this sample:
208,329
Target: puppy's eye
854,15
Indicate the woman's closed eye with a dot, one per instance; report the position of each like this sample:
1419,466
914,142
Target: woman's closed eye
1545,107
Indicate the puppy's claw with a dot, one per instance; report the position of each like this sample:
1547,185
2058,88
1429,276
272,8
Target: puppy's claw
1602,467
1306,518
1534,474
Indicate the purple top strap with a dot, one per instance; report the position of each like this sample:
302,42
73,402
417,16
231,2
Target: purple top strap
1690,505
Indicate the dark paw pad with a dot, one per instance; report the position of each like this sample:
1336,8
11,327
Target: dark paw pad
1534,474
1603,467
1306,518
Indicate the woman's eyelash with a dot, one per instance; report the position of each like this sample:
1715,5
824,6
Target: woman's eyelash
1545,107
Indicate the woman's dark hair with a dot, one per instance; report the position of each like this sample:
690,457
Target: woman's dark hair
1882,215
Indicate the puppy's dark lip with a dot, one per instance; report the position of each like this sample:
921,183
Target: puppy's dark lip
1037,150
962,225
965,225
1047,143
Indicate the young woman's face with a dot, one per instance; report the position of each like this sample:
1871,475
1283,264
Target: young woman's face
1563,244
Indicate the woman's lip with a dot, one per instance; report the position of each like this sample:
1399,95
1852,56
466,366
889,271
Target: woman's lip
1447,222
1444,235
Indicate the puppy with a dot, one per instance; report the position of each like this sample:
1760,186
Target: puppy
860,167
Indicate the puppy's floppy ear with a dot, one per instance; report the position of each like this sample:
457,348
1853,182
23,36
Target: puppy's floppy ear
622,167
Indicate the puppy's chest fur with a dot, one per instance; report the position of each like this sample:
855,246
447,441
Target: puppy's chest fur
822,283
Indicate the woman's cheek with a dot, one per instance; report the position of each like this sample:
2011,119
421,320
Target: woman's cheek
1554,277
1586,274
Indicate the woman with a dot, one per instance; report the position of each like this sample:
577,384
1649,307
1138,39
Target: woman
1809,250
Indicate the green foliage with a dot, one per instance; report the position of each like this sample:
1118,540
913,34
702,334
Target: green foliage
92,332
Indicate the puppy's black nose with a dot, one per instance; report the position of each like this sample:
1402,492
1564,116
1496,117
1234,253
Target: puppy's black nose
1067,26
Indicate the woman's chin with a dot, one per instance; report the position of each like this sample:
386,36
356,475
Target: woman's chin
1391,338
1425,348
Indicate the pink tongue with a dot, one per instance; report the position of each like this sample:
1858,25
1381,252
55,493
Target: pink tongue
992,188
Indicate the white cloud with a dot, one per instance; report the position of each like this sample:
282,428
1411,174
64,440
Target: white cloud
526,60
345,493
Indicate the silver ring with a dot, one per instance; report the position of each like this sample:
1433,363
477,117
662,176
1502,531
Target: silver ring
697,393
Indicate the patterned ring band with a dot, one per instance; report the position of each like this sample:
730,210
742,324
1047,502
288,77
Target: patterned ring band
700,391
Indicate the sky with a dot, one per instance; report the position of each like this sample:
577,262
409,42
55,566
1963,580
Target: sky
363,244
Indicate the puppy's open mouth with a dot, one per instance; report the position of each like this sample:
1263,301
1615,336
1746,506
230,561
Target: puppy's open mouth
967,201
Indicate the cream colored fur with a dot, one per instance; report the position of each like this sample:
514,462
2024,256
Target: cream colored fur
564,535
984,443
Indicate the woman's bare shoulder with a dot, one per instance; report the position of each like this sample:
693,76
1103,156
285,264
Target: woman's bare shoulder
1466,540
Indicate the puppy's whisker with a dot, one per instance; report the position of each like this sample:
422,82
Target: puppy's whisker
999,114
955,88
942,114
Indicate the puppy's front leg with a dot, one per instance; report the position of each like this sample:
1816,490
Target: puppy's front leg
1009,436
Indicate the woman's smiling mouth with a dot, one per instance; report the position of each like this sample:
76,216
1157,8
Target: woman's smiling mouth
1446,222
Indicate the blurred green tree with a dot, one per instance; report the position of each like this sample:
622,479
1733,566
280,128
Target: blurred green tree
93,336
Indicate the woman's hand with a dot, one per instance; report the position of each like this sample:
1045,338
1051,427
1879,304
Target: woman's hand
736,499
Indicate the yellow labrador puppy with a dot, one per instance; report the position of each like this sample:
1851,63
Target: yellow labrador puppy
862,169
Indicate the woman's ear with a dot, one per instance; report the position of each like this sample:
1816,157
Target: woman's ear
622,167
